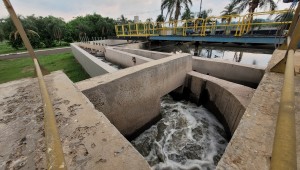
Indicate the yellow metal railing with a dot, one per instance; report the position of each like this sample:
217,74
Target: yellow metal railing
239,25
284,154
54,152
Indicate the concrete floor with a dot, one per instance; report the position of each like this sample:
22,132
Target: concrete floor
89,140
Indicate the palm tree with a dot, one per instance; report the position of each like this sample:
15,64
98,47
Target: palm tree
187,14
123,20
174,6
160,18
228,10
241,5
15,38
205,13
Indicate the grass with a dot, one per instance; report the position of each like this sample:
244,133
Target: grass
5,48
15,69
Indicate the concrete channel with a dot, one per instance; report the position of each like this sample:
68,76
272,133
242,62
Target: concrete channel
94,115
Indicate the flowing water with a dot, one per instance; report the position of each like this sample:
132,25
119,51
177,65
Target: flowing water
187,137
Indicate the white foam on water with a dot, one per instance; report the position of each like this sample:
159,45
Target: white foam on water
188,137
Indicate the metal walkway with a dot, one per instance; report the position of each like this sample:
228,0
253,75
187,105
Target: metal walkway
246,29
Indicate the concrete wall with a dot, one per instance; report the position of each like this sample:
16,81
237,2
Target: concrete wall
234,72
139,45
92,65
110,42
130,98
124,59
146,53
231,99
252,143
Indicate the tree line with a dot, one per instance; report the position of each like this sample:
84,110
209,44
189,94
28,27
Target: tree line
50,31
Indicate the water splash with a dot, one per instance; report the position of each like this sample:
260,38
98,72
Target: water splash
187,137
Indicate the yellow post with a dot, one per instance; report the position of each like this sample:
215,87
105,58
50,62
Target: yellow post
116,29
123,30
129,28
54,152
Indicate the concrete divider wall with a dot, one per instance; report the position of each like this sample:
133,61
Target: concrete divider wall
110,42
92,46
92,65
139,45
124,59
231,99
130,98
146,53
234,72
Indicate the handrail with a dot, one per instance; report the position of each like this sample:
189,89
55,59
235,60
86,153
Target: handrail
54,152
284,154
241,27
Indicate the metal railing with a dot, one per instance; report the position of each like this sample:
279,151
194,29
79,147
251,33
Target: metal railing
54,152
238,25
284,154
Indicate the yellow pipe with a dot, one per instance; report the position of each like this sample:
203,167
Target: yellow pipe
54,152
284,154
284,147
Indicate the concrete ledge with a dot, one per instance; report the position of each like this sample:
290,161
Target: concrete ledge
92,65
234,72
89,140
124,59
252,143
145,53
130,97
231,99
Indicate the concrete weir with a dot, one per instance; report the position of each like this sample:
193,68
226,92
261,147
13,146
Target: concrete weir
130,98
94,115
230,99
230,71
92,65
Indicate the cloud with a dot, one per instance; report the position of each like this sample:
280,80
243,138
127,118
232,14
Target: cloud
68,9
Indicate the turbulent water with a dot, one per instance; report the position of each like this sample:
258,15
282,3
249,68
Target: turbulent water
187,137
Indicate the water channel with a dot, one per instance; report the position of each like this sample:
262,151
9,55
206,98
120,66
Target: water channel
189,137
250,55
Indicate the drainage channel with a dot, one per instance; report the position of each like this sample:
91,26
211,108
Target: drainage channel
102,58
187,137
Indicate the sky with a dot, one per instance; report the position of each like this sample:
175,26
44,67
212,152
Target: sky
69,9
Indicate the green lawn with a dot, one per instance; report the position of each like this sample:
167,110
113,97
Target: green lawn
6,49
14,69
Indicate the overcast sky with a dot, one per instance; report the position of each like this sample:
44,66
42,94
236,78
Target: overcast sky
68,9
